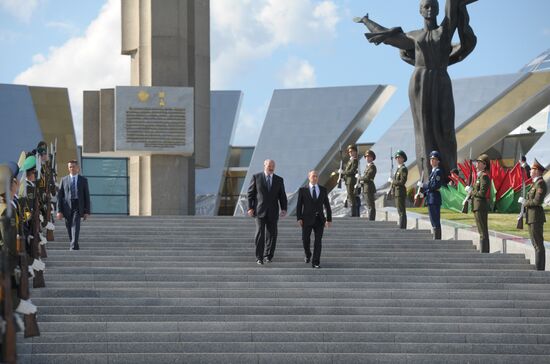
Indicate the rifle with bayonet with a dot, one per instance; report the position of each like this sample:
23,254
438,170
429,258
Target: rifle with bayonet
38,280
519,224
389,195
341,169
418,197
50,182
465,203
9,334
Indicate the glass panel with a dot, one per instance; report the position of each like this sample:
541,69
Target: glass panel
246,157
104,167
108,186
109,204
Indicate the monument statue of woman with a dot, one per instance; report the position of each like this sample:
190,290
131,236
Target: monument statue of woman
430,51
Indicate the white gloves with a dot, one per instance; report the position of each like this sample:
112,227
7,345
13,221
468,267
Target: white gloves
41,218
50,226
357,175
340,171
419,184
468,189
521,200
420,195
390,180
26,307
43,240
38,265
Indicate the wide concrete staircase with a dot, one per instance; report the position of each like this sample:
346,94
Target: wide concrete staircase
188,290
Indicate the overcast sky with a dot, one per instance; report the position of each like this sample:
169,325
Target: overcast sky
260,45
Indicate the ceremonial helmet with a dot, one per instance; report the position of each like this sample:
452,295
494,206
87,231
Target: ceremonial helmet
400,153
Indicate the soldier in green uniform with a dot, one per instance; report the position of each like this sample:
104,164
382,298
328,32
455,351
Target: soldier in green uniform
535,213
30,200
399,187
480,205
349,174
367,180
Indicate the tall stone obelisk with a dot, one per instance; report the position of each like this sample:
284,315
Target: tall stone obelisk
169,45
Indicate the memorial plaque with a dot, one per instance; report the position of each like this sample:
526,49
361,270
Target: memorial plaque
154,119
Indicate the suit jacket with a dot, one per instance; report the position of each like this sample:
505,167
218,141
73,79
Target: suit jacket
64,196
309,210
431,188
535,199
266,203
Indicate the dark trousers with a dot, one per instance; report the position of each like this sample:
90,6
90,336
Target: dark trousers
435,215
481,216
537,239
266,238
318,229
370,206
401,210
72,223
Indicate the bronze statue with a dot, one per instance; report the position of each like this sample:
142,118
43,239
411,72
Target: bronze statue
430,51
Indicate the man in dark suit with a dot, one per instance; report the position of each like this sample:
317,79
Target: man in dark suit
310,216
265,194
73,202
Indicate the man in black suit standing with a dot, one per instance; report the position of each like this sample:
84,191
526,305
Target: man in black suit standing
265,193
73,202
310,216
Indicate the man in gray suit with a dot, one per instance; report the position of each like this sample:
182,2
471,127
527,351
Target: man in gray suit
73,202
265,193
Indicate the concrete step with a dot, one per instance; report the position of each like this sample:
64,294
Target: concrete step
187,289
287,347
273,358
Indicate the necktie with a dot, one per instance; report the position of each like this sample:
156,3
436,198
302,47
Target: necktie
73,188
269,182
314,193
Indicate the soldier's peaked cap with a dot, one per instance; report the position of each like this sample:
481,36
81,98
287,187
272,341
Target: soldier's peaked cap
371,153
537,165
351,146
29,163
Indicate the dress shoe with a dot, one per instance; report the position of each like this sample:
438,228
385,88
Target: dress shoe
260,262
267,260
307,260
316,266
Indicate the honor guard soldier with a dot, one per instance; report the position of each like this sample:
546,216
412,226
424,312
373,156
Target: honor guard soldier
399,187
432,194
480,204
367,180
349,174
31,207
535,213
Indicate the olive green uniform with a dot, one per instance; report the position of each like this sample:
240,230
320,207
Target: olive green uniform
349,177
535,219
400,193
480,207
369,189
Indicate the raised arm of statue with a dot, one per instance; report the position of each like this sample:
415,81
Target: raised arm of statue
379,34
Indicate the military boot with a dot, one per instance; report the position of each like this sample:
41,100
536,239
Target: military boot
437,233
540,259
485,245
